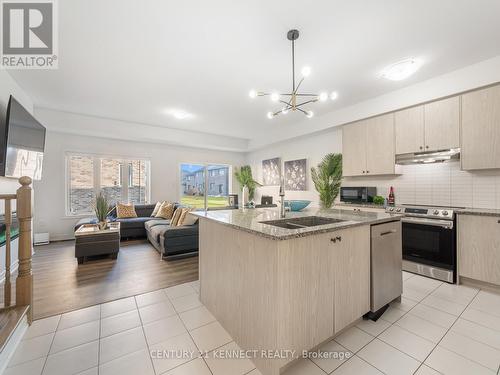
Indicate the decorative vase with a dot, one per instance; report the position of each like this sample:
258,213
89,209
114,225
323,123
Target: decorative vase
244,196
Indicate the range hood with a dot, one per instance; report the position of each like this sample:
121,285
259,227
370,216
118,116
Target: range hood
429,157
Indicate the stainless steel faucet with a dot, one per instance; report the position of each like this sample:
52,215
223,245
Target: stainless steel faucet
282,196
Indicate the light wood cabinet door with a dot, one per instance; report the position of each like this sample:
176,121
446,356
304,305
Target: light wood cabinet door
442,124
481,129
354,149
409,130
380,157
351,265
479,248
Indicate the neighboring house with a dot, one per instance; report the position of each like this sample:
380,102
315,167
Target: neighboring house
193,182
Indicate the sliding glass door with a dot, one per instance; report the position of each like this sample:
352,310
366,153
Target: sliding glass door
205,186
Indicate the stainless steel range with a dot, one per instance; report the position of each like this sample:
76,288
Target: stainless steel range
429,241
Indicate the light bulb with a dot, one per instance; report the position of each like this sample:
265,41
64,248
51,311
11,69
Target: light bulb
284,111
310,114
323,96
275,96
270,115
252,94
334,95
306,71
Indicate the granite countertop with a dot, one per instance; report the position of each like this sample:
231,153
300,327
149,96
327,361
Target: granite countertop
366,205
478,211
249,220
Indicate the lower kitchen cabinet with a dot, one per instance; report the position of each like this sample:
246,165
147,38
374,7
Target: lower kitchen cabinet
479,248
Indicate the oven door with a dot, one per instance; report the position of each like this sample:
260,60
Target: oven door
430,242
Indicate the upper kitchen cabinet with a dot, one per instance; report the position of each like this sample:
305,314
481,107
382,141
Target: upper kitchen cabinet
409,129
442,124
481,129
368,147
354,149
430,127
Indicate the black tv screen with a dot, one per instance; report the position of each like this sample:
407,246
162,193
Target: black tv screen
22,140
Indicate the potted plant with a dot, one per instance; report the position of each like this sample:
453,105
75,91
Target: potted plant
102,209
327,177
246,181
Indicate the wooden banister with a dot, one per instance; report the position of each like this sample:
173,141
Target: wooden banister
24,281
8,222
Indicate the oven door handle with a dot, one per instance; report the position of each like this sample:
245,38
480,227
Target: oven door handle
434,223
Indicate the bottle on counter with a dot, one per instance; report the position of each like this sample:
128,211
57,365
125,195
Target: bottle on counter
392,198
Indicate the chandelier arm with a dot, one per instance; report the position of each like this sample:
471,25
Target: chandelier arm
297,88
316,95
301,110
306,102
288,105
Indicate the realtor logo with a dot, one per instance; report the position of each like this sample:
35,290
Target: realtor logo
29,34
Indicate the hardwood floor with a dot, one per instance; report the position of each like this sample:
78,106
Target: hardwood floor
61,285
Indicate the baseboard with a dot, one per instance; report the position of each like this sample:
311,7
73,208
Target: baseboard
480,284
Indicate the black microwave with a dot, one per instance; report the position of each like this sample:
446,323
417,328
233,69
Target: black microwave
357,194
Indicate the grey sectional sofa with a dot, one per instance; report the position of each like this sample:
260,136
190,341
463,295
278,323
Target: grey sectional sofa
171,242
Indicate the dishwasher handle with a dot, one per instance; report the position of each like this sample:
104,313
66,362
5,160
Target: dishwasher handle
388,232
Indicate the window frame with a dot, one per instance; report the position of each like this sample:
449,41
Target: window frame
96,158
205,165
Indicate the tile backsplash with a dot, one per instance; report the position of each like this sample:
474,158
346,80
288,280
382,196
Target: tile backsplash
440,184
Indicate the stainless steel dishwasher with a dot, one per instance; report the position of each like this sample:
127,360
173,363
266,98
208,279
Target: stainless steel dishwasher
386,266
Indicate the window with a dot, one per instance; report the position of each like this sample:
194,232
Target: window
120,180
216,177
81,184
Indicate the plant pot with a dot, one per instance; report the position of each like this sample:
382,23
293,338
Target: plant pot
102,225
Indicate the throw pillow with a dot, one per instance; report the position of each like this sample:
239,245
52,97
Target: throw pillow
165,211
175,217
189,219
124,211
157,207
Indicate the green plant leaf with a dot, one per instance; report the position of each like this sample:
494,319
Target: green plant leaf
245,178
327,177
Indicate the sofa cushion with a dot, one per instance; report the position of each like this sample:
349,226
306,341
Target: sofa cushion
165,211
124,211
144,210
157,230
134,222
187,230
153,222
155,210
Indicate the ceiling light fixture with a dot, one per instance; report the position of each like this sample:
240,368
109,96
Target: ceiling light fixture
179,114
401,70
290,100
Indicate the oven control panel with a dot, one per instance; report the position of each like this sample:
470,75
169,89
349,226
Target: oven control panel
438,213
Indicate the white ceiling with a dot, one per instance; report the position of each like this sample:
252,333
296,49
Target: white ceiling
132,60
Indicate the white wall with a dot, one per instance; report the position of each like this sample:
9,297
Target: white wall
165,159
9,185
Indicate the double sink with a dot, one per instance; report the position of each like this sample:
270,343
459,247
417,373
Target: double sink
302,222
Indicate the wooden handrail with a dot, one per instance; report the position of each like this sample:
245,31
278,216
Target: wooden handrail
24,281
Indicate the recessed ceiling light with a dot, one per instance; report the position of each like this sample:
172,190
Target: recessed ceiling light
401,70
179,114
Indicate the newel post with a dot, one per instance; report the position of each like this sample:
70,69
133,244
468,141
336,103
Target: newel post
24,281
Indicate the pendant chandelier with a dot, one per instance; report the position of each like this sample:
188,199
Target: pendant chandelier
295,100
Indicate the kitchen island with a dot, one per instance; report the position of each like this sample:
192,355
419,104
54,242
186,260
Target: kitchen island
282,291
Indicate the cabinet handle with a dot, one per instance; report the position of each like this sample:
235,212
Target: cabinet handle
426,146
363,171
498,221
339,238
335,239
367,171
388,232
421,147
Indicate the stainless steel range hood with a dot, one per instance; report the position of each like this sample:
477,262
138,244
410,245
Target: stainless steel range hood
440,156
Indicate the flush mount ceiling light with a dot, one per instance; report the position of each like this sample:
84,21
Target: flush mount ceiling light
179,114
401,70
290,100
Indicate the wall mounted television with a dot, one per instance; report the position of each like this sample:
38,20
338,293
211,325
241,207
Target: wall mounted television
22,142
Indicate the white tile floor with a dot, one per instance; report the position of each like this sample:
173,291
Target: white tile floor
437,328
